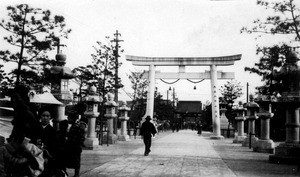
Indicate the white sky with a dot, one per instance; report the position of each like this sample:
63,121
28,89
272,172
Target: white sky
160,28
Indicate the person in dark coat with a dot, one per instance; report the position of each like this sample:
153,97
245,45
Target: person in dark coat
177,126
49,142
199,128
16,159
48,133
74,144
173,127
62,135
147,131
24,120
25,127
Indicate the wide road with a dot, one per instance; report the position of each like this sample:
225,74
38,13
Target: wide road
180,154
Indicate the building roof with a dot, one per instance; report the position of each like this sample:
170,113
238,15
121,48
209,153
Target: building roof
46,98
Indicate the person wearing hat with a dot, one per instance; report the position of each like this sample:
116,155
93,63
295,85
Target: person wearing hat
147,131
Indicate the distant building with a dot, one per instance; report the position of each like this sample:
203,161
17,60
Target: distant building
189,111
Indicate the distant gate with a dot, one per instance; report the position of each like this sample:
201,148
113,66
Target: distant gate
213,74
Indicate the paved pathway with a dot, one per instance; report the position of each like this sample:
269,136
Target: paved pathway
182,153
177,154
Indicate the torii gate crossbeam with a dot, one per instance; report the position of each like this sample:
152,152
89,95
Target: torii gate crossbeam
213,62
191,75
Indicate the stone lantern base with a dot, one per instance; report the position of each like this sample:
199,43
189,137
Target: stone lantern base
112,139
91,143
239,139
215,137
266,146
123,138
286,153
246,141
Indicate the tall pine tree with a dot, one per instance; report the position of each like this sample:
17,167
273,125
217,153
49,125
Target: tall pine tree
31,33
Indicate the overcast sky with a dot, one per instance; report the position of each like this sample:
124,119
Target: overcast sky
169,28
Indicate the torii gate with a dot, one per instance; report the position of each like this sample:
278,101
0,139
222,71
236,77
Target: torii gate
213,62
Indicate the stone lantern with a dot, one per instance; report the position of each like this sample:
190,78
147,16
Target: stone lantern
123,110
240,118
60,86
223,119
110,114
226,127
264,144
289,74
92,100
252,109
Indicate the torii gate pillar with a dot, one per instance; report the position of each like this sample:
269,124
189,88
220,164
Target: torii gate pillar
150,93
215,104
214,75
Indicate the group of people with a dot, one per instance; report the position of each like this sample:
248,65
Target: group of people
175,126
35,147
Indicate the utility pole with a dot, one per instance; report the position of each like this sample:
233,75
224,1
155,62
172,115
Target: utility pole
173,98
170,89
116,54
247,94
167,96
174,115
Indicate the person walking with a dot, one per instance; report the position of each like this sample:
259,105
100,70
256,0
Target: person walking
199,128
147,131
173,127
177,126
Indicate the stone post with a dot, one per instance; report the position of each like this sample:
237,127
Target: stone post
92,100
252,109
240,118
110,114
265,144
123,110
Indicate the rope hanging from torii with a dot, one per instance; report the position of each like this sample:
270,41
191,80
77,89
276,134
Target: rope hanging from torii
195,82
170,82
